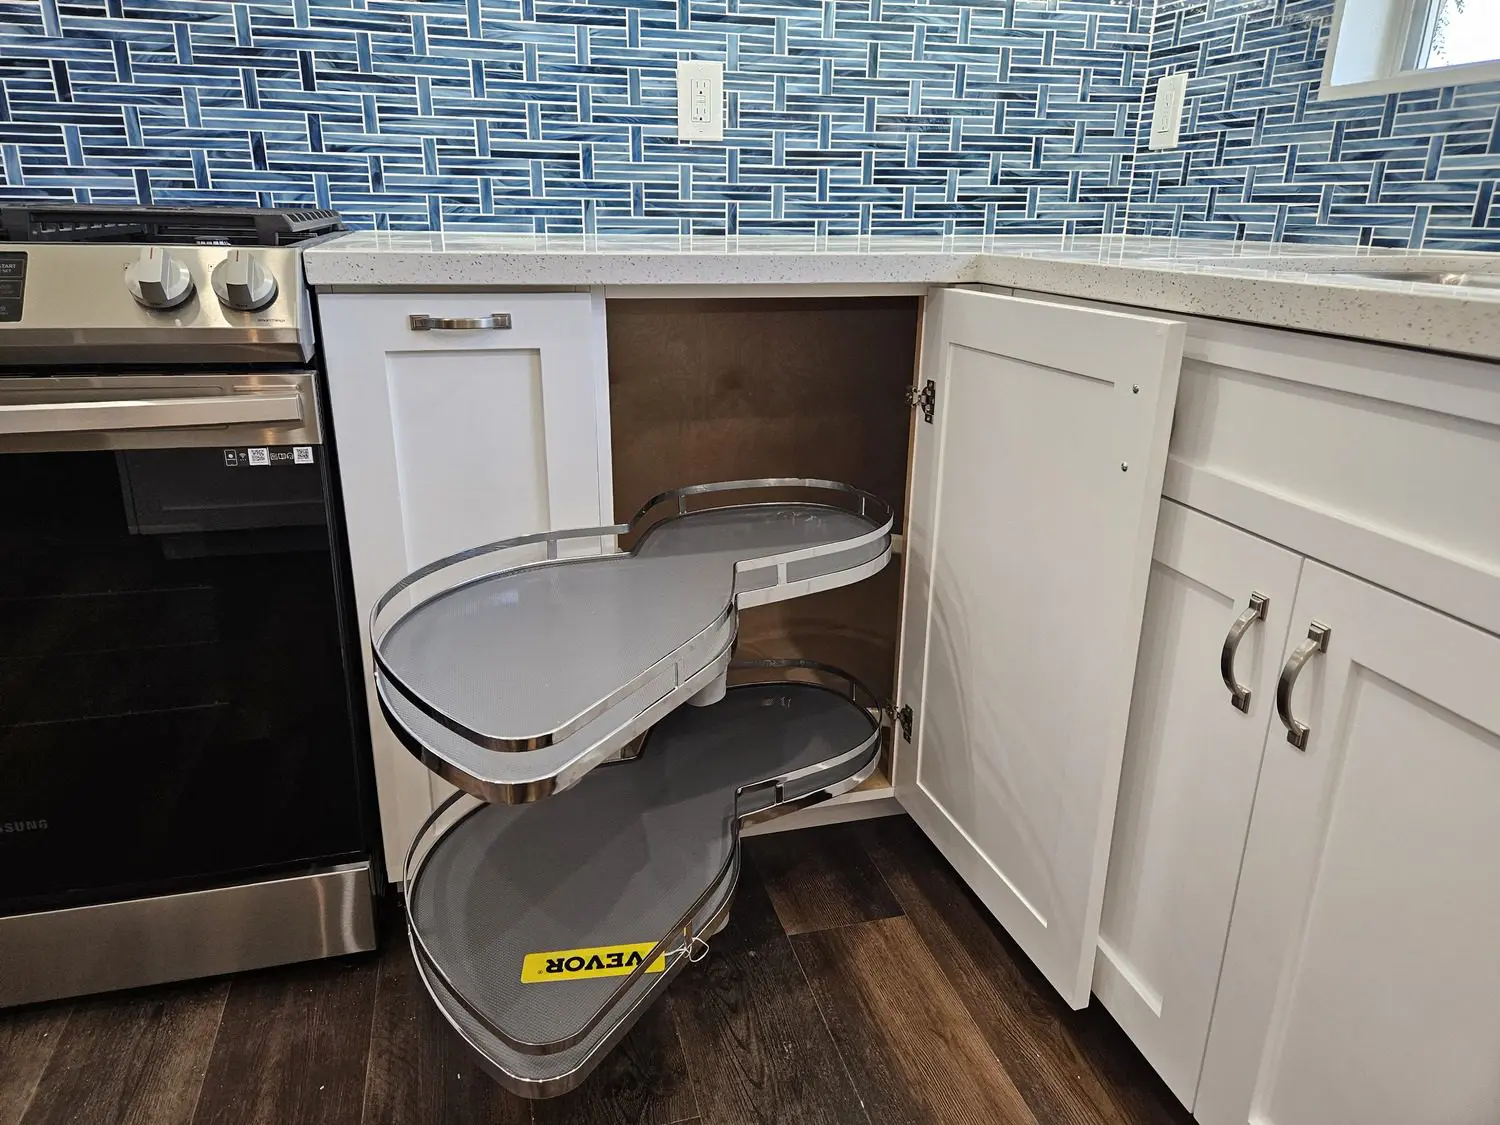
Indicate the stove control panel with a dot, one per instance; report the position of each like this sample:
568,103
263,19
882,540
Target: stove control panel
241,282
158,279
113,302
12,284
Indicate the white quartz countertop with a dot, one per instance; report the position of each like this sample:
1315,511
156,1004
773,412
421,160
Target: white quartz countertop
1311,288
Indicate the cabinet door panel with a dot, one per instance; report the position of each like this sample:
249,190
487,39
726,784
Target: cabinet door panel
1361,979
470,448
1191,760
1034,500
451,438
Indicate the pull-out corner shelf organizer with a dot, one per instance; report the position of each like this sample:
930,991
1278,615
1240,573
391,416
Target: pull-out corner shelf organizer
529,669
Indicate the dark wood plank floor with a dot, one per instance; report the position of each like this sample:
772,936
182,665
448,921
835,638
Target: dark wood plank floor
858,983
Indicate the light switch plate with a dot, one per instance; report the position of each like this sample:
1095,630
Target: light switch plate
1166,115
700,101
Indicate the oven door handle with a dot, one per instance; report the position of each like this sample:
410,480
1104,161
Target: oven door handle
257,408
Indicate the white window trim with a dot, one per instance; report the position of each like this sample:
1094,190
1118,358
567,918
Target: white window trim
1368,47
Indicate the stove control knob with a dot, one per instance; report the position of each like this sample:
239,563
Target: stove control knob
158,280
241,282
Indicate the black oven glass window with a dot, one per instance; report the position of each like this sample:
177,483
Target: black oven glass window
173,696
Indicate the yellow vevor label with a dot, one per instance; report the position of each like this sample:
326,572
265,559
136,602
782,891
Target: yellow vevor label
584,964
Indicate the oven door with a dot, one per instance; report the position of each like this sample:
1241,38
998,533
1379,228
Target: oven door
174,692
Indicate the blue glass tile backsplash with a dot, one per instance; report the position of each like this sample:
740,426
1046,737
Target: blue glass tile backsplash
843,117
1263,158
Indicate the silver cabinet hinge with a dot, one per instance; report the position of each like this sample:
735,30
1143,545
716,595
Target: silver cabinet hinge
902,718
924,396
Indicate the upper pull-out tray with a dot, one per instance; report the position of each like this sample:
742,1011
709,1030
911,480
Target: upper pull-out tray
511,671
634,866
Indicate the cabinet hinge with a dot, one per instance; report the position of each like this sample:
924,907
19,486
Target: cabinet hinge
900,717
925,397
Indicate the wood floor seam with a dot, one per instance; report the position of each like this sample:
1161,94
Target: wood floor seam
862,835
915,1053
963,1003
36,1083
687,1061
1071,1067
364,1100
822,1015
687,1056
218,1026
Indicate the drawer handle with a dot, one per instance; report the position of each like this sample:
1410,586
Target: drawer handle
421,323
1239,694
1317,641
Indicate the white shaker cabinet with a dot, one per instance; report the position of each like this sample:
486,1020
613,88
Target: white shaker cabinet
1358,978
1362,976
459,419
1035,480
1035,487
1217,612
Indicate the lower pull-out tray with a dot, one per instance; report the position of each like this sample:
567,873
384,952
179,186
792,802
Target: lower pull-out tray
512,672
543,930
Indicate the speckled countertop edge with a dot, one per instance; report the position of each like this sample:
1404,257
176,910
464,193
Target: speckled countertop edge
1431,317
1284,286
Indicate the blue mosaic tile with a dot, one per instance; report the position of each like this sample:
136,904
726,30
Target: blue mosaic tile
1263,159
848,116
843,117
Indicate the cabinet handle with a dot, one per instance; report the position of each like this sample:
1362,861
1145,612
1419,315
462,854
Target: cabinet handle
421,323
1317,641
1239,694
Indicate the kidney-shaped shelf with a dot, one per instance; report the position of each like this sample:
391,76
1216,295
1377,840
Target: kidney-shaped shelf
518,913
512,672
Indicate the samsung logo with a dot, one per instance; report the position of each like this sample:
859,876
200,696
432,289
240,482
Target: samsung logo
9,826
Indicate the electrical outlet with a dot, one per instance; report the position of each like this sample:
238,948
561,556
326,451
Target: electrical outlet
1166,115
700,101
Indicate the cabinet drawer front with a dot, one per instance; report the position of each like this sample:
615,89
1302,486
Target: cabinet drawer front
1382,461
456,321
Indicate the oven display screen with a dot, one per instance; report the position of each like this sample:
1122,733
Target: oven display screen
12,285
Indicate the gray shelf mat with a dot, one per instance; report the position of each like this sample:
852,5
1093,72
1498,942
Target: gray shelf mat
621,857
545,1075
519,655
521,768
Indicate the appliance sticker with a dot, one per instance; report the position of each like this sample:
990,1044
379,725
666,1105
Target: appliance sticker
268,455
585,964
12,285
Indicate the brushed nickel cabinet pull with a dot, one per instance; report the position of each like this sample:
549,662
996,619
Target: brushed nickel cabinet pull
1239,694
1317,641
419,322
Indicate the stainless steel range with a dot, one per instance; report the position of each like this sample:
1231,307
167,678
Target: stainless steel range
184,781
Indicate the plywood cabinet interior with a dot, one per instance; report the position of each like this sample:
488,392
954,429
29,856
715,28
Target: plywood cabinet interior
713,389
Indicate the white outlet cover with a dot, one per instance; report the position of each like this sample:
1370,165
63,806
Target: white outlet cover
700,101
1166,114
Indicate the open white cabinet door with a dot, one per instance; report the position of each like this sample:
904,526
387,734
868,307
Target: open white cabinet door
1035,490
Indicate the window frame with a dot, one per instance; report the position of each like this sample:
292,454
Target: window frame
1373,47
1420,26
